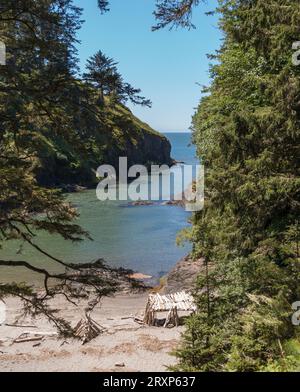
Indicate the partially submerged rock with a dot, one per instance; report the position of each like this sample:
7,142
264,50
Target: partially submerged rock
72,188
141,203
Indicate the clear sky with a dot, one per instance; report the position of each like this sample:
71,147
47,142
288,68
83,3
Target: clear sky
166,65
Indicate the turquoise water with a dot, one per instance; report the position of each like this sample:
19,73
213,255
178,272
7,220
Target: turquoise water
141,238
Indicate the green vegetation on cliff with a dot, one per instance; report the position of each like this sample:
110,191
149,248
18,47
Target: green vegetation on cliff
118,133
57,127
66,124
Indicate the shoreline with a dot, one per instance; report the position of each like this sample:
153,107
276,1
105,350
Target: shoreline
134,347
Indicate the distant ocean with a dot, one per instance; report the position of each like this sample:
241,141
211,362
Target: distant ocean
140,238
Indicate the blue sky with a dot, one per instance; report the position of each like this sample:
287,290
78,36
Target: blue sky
166,65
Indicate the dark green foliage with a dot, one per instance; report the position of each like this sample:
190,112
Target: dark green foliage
52,130
174,13
247,133
103,5
103,74
168,13
44,105
247,130
39,107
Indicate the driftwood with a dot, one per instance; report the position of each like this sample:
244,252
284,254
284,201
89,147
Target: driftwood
20,326
25,340
120,365
41,333
171,303
87,329
172,318
31,336
138,320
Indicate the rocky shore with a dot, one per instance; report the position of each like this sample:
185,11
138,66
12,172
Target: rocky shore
183,276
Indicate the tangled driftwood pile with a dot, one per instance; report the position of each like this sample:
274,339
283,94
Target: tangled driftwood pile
171,303
87,329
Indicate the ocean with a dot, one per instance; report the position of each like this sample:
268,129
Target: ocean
141,238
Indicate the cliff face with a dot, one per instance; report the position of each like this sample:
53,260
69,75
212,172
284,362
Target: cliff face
126,136
138,142
155,149
183,276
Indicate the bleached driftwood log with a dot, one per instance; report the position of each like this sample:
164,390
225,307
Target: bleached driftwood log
32,336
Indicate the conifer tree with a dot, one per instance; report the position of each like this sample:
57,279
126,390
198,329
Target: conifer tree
39,107
103,74
247,133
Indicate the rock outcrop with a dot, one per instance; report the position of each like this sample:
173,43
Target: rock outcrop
138,142
125,136
183,276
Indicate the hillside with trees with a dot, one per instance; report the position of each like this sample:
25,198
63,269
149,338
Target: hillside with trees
66,123
247,132
56,128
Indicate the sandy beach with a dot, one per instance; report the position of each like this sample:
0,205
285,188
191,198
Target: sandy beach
124,346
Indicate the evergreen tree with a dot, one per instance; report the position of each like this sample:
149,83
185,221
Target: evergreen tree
103,74
52,118
171,13
103,5
247,133
39,108
174,13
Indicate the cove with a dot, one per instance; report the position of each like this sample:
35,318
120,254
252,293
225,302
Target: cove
141,238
